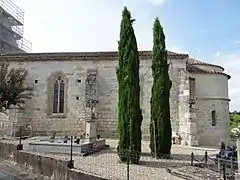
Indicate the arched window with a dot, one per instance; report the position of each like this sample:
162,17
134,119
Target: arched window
58,95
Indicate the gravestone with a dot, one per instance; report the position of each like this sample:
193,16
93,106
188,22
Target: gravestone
65,139
91,130
77,141
53,136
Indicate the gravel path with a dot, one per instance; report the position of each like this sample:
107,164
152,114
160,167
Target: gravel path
106,163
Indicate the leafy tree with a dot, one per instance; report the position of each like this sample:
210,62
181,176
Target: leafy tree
129,112
160,107
13,91
234,119
234,123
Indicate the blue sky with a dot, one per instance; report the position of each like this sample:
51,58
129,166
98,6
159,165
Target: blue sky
206,29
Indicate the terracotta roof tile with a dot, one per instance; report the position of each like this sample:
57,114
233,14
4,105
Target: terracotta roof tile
193,69
110,55
197,62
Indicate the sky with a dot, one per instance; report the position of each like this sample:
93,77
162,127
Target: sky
206,30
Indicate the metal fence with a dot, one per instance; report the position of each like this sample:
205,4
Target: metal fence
184,163
225,168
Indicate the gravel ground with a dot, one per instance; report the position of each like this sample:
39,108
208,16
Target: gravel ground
106,163
196,173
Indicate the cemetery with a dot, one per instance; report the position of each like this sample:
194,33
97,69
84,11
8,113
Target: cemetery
107,165
80,146
88,143
162,120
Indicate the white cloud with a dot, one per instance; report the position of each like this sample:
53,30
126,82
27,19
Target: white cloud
177,49
157,2
217,54
230,63
79,25
237,42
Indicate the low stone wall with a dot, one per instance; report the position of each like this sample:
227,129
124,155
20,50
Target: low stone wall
49,167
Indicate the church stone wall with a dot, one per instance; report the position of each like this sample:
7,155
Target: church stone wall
210,135
212,109
194,123
107,102
175,68
37,109
192,119
36,112
211,85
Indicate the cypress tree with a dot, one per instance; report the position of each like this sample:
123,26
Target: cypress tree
160,107
129,112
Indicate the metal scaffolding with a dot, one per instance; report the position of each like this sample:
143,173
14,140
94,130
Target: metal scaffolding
12,29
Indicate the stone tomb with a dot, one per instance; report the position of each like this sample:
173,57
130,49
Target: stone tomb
90,144
84,147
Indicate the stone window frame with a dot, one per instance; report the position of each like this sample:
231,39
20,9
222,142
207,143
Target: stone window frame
50,91
214,117
179,71
192,88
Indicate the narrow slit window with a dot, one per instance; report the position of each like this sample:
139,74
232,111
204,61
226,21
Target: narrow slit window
192,84
61,98
55,97
213,118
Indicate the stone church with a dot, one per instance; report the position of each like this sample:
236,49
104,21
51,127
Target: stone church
69,88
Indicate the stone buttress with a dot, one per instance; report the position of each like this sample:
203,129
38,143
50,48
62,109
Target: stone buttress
187,115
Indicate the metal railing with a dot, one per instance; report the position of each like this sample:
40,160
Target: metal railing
13,10
224,167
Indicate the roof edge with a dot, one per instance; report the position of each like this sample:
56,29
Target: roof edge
204,63
101,55
195,70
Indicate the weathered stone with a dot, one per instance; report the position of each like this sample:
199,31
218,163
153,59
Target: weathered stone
75,74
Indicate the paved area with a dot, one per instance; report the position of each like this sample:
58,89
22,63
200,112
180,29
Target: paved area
106,163
10,171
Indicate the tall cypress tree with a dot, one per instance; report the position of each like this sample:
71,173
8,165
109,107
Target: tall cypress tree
160,107
129,112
